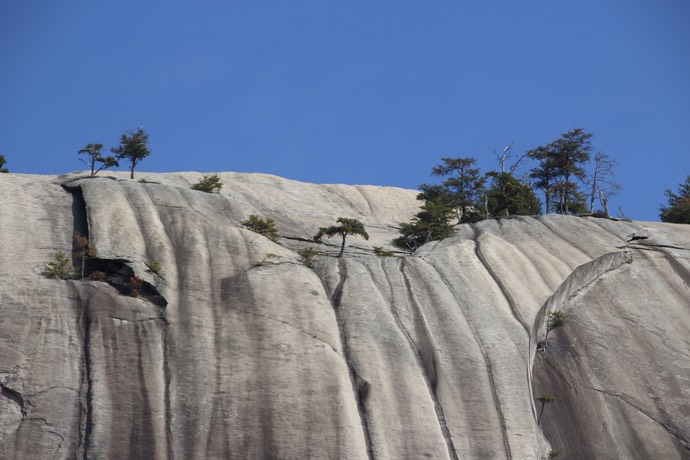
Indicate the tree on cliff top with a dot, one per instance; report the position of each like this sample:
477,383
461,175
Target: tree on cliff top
133,147
3,162
346,227
678,209
94,156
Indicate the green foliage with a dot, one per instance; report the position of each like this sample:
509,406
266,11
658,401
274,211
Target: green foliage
510,196
544,399
86,250
379,251
265,227
93,152
134,285
347,227
308,256
133,147
555,320
552,454
209,184
677,210
3,162
432,223
559,170
462,189
155,267
60,268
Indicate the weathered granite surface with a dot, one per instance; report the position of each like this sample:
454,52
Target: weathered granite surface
241,351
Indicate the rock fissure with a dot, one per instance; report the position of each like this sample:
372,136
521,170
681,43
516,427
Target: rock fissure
360,386
505,292
14,396
489,369
313,336
86,390
673,431
429,375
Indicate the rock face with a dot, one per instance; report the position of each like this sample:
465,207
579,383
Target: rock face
236,349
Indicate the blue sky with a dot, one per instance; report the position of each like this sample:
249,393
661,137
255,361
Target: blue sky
373,92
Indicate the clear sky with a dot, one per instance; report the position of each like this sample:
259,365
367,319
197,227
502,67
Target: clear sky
356,92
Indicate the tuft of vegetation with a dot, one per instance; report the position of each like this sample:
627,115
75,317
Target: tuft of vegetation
3,162
270,258
308,256
544,399
379,251
155,267
347,227
552,454
677,210
432,223
134,285
60,268
98,276
134,146
554,320
86,250
209,184
94,156
265,227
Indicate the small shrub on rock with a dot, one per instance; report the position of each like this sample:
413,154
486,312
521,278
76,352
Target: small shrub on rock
155,267
134,285
209,184
265,227
98,276
308,256
60,268
379,251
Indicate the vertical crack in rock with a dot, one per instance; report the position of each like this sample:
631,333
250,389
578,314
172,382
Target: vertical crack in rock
166,396
87,382
489,369
513,309
509,298
360,386
428,368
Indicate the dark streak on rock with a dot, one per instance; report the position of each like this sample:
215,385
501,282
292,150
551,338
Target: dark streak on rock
14,396
360,386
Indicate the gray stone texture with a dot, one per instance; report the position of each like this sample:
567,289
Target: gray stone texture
236,349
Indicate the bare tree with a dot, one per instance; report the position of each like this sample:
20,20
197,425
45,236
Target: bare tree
506,155
601,182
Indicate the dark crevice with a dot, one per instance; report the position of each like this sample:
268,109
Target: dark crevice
428,365
360,386
14,396
489,368
88,381
497,280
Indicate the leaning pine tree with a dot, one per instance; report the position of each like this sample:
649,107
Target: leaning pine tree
346,227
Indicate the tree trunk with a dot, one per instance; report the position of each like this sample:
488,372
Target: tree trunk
342,247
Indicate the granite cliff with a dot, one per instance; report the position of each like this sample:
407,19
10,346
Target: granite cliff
236,349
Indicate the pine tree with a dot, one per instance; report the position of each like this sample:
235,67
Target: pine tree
94,156
678,209
133,147
346,227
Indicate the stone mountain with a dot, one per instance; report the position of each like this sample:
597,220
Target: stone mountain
236,349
